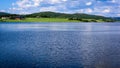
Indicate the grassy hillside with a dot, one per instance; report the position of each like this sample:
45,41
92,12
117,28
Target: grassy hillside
55,17
42,20
50,20
77,16
3,14
63,15
116,18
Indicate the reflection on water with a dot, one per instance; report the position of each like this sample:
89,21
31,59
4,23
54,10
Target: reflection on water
60,27
74,45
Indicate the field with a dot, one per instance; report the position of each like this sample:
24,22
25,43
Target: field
42,20
51,20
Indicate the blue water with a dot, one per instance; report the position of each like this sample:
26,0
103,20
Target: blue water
59,45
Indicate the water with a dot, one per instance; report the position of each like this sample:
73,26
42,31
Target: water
60,45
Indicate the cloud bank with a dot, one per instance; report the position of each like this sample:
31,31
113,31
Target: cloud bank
98,7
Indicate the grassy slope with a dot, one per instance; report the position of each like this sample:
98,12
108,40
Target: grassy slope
56,17
42,20
45,20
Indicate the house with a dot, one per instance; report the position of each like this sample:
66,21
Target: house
19,17
4,18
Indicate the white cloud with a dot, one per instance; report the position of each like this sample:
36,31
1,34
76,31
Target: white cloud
103,9
2,10
86,10
118,14
23,12
64,0
13,4
56,1
113,1
71,6
89,10
28,3
106,11
14,9
89,3
54,8
81,10
51,8
24,6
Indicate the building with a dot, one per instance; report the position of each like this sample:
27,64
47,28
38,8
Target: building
4,18
17,17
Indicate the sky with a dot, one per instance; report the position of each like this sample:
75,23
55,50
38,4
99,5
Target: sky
108,8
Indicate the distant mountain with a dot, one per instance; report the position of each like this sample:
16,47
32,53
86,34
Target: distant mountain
116,18
57,15
75,16
4,14
49,15
63,15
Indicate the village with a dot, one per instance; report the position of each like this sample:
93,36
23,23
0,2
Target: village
12,18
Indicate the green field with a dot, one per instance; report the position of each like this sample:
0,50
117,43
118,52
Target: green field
47,20
53,17
42,20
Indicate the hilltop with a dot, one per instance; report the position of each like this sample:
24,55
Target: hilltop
37,17
64,15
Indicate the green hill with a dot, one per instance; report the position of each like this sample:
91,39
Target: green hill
76,16
53,15
116,18
63,15
3,14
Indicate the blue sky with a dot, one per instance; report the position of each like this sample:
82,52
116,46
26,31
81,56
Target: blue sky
109,8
